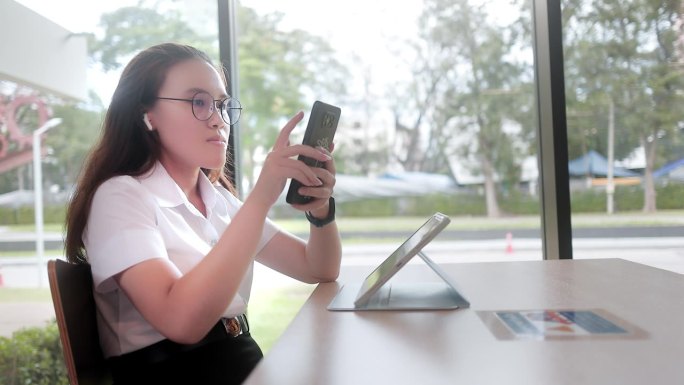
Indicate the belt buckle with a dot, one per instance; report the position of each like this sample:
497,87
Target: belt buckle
232,325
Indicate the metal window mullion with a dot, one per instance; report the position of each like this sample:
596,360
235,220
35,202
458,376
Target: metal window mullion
228,54
552,130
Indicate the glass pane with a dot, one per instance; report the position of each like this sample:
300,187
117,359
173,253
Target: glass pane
624,83
88,44
438,114
60,64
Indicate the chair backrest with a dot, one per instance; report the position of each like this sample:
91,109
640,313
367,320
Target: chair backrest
71,286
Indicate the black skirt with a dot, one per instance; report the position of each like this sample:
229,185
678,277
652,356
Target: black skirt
218,359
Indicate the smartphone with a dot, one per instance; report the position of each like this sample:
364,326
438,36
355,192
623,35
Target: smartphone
320,131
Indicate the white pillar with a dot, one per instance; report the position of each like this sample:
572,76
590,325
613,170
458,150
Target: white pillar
38,196
610,183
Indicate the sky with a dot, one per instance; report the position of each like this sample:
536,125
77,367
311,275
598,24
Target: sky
353,27
74,15
81,16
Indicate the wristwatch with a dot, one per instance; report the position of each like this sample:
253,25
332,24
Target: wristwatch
320,222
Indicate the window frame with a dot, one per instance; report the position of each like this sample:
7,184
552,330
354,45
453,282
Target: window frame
551,119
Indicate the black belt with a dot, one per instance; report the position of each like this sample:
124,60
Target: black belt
165,349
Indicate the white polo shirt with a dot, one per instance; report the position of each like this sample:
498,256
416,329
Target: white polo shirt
134,219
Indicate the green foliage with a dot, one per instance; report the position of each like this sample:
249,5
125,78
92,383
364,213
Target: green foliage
130,29
629,198
520,204
671,197
70,142
588,201
277,70
33,356
470,86
461,204
619,69
626,198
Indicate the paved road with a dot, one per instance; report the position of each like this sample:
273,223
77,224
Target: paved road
54,241
663,252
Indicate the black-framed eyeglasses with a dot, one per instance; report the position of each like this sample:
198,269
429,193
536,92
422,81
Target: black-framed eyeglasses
204,105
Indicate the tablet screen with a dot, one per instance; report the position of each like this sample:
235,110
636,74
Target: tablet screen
402,255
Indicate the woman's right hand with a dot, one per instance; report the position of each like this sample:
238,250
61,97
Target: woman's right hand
281,164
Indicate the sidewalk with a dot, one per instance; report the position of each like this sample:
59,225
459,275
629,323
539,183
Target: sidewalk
18,315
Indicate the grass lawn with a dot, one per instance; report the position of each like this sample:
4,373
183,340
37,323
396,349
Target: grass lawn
272,310
8,294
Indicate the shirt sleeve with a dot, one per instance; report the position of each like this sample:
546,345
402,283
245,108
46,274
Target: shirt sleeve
234,204
121,230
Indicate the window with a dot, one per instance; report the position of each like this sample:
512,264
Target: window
438,114
624,80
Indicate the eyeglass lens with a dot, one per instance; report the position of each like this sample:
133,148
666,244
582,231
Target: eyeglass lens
203,107
230,110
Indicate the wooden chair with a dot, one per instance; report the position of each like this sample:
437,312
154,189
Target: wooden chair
71,286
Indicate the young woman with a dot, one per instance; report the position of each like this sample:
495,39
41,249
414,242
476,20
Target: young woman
170,247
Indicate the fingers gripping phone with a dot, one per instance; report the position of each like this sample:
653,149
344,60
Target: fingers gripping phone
320,131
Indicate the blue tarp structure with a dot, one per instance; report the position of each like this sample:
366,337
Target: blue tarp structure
594,164
672,170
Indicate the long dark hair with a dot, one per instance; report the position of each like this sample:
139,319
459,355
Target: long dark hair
126,146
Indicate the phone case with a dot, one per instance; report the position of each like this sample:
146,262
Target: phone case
320,131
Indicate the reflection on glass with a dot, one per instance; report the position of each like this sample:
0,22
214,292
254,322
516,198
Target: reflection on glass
624,78
438,114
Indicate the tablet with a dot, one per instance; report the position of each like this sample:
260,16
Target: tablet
390,266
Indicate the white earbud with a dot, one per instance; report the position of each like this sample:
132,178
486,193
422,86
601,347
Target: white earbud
146,119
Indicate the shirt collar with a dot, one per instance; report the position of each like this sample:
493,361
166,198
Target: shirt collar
208,193
168,194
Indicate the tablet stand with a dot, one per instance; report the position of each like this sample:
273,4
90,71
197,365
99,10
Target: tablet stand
405,296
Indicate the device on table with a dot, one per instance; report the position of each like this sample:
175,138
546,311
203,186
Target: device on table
375,294
320,131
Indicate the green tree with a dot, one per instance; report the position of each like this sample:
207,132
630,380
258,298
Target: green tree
70,142
277,69
128,30
472,94
622,55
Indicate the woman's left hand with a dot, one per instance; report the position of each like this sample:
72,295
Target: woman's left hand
318,206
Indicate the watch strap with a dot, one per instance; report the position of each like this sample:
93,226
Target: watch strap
320,222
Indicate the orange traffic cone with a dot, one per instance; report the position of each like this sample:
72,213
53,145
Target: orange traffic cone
509,243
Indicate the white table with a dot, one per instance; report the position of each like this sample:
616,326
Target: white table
457,347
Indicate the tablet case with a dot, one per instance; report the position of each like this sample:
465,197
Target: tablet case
404,296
